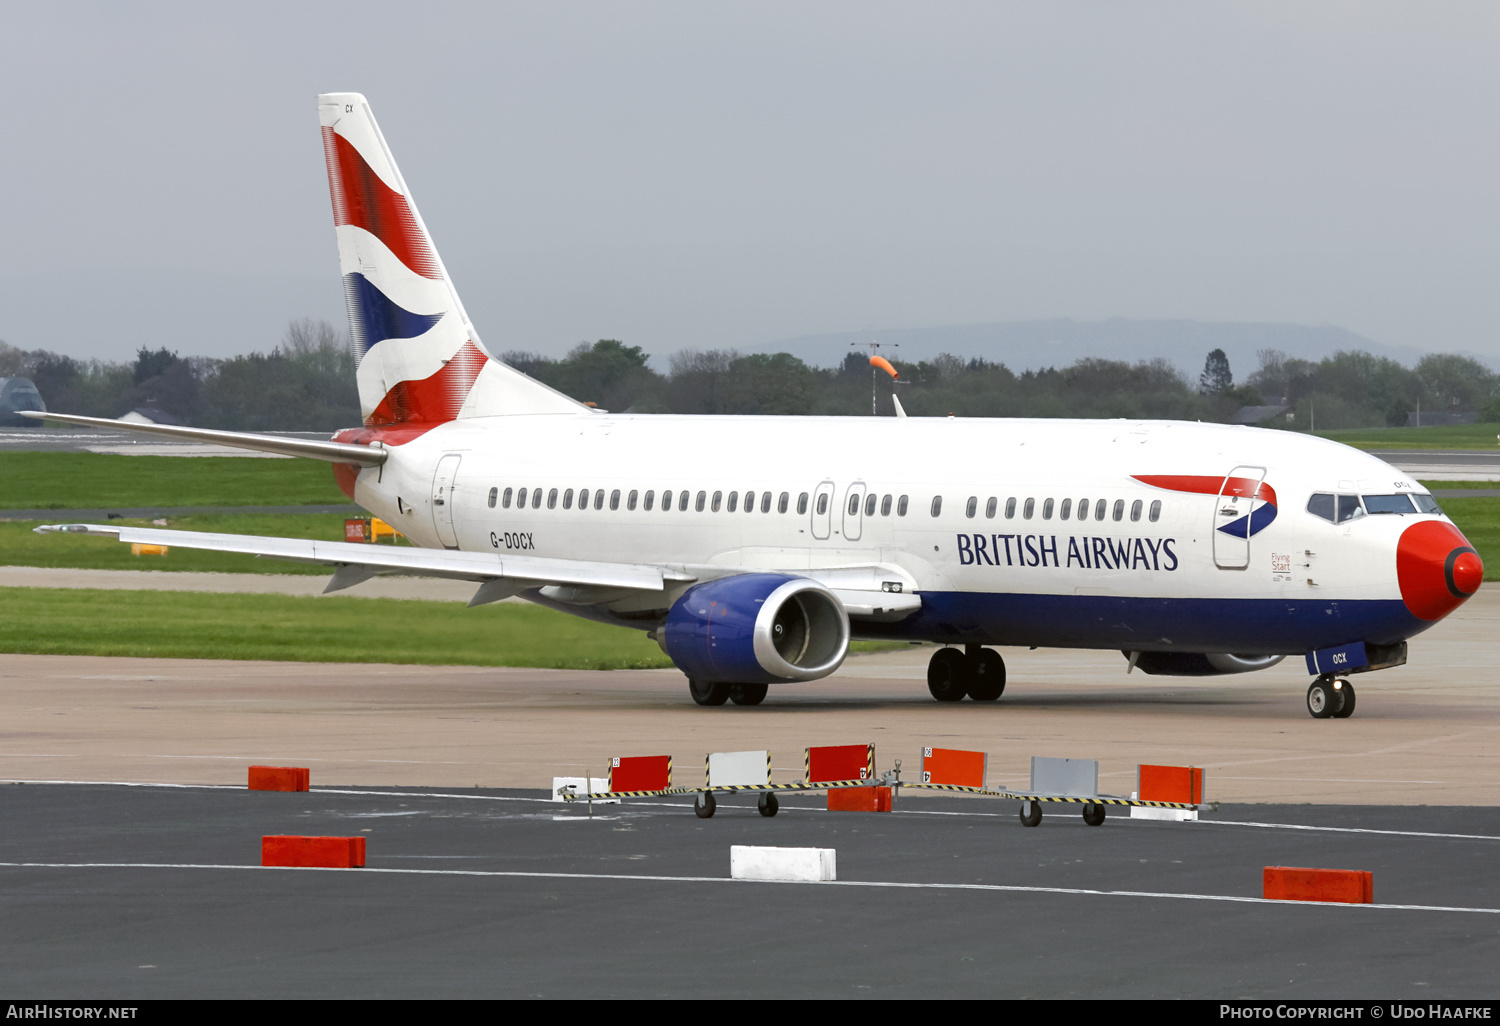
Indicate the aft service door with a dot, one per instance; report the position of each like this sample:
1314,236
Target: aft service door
853,514
1231,529
822,511
442,499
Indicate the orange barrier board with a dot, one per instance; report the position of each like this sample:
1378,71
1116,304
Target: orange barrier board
1291,883
1170,784
953,766
859,799
318,852
840,762
279,778
640,773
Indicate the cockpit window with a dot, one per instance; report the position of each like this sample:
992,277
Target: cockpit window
1427,504
1338,508
1321,505
1388,504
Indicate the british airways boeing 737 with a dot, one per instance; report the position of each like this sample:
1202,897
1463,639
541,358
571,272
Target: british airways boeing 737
753,548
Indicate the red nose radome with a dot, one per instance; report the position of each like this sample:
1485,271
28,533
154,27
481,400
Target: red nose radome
1437,569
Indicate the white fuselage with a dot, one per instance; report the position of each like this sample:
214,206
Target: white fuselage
1158,582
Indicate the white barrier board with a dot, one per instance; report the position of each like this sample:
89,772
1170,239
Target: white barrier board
582,786
738,769
754,862
1170,815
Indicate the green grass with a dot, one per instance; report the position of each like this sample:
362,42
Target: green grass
20,546
1460,436
86,480
1459,485
195,625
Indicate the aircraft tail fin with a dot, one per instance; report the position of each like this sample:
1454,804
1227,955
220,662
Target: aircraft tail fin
420,359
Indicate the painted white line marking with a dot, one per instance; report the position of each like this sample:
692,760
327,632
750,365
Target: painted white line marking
1349,830
879,884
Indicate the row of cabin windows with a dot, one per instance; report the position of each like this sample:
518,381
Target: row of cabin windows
1065,510
683,500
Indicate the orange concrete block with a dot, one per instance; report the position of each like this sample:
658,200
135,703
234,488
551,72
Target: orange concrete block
1170,784
279,778
1291,883
859,799
319,852
953,766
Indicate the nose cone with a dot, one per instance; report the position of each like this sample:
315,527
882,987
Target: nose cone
1437,569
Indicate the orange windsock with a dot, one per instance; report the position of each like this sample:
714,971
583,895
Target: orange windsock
883,364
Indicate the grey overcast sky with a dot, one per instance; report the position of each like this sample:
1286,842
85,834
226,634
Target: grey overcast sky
712,174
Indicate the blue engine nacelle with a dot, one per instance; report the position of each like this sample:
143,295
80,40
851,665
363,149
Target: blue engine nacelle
757,629
1199,664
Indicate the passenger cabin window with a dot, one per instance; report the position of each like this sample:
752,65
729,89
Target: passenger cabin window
649,499
614,499
870,501
1135,510
552,499
822,504
1083,509
990,508
718,501
702,498
583,498
630,502
972,507
1047,509
885,506
802,504
937,505
853,505
750,503
1155,510
666,500
734,502
1099,509
1029,508
599,498
1067,507
568,499
1010,508
494,495
901,506
505,499
1119,509
765,502
1377,504
786,497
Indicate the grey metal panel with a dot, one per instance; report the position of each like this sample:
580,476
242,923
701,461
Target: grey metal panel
1073,778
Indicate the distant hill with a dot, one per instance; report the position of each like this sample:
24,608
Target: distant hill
1030,345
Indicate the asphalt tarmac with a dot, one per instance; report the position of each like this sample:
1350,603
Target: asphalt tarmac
148,892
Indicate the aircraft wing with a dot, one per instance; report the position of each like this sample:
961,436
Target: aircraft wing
499,576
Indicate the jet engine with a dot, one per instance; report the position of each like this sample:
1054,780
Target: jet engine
1199,664
756,629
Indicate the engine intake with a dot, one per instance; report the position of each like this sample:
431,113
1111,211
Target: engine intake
757,629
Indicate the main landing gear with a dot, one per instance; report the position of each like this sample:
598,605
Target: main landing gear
974,671
1330,697
706,692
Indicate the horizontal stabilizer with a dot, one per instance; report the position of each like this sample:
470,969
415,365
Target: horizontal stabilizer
330,452
358,558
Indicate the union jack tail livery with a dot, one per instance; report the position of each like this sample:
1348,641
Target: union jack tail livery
420,359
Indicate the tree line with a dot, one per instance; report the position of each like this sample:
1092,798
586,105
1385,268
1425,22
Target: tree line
306,383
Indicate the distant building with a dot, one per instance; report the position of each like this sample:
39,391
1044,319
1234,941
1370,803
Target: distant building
19,394
149,414
1256,414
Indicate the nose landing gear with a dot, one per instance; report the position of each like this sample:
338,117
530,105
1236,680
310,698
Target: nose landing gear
1330,697
975,671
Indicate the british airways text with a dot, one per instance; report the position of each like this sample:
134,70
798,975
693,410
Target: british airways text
1049,550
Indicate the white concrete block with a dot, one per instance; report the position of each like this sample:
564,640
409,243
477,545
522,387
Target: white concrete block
738,769
755,862
582,786
1170,815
